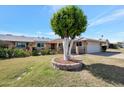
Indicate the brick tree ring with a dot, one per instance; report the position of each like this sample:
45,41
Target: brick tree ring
72,65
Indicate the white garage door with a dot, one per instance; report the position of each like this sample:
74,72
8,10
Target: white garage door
93,47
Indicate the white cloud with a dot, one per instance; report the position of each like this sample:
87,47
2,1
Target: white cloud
102,14
51,33
46,34
112,36
114,16
12,33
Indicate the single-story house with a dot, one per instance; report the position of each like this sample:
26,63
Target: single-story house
120,44
80,45
22,42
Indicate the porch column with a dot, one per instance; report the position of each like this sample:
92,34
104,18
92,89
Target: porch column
45,46
57,47
77,50
85,46
30,45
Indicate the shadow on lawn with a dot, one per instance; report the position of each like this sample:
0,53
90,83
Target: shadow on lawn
109,73
108,53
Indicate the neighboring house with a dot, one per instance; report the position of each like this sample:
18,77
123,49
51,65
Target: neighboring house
113,45
121,44
80,45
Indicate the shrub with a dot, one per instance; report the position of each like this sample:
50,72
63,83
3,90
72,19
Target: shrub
3,53
21,53
35,53
104,48
45,52
10,53
59,52
52,52
27,53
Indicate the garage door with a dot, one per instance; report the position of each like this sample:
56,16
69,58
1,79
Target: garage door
93,47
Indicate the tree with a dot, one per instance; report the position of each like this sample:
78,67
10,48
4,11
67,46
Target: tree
68,23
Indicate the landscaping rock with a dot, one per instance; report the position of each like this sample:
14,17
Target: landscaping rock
73,65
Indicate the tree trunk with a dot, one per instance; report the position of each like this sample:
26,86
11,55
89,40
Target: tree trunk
65,48
70,47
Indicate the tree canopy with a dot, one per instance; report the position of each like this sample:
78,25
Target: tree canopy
69,21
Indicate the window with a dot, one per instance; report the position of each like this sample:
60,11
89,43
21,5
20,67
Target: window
20,44
40,44
79,44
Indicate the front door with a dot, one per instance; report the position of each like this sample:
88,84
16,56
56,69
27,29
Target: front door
52,46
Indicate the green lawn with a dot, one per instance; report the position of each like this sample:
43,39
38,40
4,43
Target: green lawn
38,71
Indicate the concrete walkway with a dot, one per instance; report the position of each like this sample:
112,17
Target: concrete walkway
120,56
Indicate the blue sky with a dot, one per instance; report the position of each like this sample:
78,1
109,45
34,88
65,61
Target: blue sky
35,21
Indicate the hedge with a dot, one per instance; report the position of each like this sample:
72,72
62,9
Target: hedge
11,53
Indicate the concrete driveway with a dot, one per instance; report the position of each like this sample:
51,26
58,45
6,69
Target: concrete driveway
120,56
110,54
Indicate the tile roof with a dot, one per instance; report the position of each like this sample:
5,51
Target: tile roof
9,37
56,40
89,39
76,39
